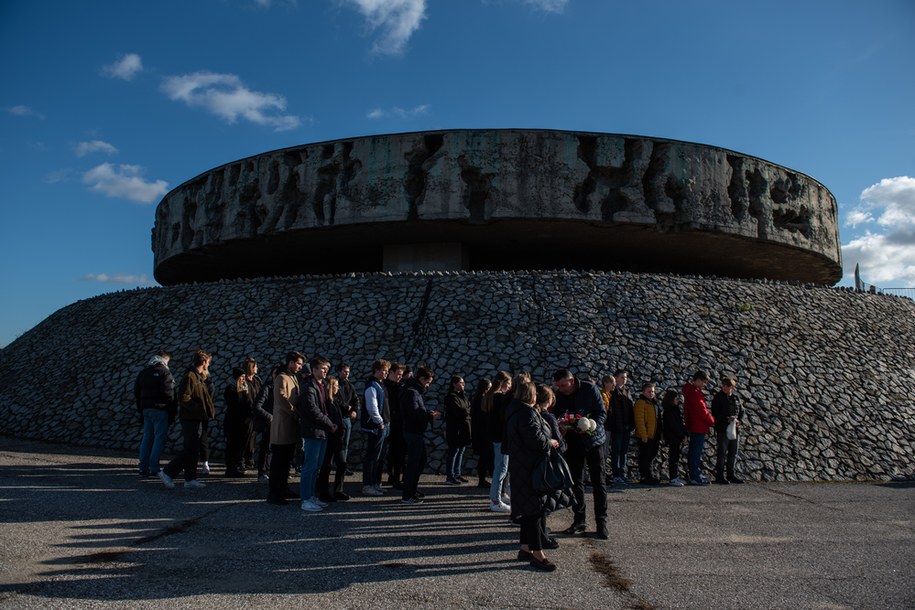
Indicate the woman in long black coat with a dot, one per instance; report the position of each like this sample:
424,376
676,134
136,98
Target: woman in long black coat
528,438
457,430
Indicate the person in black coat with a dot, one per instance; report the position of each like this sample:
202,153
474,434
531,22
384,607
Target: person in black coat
674,433
333,455
416,419
479,437
527,437
725,409
457,430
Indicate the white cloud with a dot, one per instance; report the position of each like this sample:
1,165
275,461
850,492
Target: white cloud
125,182
227,97
59,176
398,112
887,258
117,278
896,196
397,20
21,110
84,148
124,68
549,6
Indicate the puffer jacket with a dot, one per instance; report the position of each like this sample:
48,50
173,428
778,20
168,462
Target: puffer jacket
155,386
647,416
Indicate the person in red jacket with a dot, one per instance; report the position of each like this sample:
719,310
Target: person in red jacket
698,420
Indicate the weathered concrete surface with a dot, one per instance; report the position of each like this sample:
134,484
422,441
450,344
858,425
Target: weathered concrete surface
514,199
79,530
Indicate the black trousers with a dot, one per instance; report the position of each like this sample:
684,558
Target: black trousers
415,445
726,453
396,454
594,458
187,459
484,460
280,461
673,459
334,459
647,453
532,531
263,453
239,434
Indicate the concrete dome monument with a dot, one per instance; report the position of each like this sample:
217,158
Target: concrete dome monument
498,200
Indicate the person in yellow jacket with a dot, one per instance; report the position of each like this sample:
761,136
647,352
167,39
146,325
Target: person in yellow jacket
647,416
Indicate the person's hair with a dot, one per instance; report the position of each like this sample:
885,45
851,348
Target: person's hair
332,386
561,374
670,398
479,393
343,365
318,361
498,385
518,379
200,357
619,372
607,378
424,372
728,381
237,372
700,376
526,392
293,356
163,353
380,364
398,366
454,380
407,371
249,364
647,384
544,395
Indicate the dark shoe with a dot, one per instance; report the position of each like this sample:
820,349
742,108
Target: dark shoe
484,484
543,564
694,482
412,501
549,544
450,481
277,501
602,532
575,528
735,480
419,495
327,498
235,474
463,480
341,497
721,481
524,556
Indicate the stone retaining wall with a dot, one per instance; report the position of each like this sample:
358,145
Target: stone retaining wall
826,375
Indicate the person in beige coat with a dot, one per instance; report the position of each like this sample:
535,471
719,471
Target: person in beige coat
284,429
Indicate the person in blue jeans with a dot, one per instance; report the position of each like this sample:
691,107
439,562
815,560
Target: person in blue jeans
494,407
314,425
154,392
457,430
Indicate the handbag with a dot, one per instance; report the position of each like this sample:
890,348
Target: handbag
732,430
551,473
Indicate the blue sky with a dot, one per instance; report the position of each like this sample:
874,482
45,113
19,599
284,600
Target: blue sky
106,105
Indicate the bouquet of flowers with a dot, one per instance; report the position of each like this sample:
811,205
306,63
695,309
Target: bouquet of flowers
579,423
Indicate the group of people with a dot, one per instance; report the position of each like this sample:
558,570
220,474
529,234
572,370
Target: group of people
305,418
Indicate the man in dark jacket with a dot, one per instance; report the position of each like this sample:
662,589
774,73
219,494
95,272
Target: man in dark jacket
349,411
154,392
457,430
314,424
396,449
725,409
620,423
576,397
195,408
416,419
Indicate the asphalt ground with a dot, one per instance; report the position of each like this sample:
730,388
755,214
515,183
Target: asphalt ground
80,529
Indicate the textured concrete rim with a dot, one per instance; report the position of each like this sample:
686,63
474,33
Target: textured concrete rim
497,199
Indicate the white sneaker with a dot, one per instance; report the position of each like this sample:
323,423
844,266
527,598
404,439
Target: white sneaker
262,478
195,484
205,468
678,482
166,480
506,499
315,500
371,490
311,507
500,507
